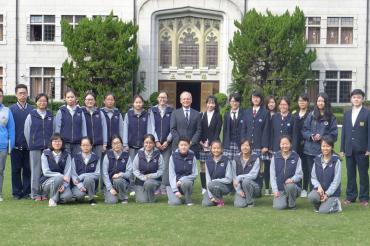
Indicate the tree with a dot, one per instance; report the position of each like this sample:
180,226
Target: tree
269,54
102,57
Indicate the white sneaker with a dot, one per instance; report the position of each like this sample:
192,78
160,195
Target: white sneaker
132,193
339,206
52,203
267,192
124,202
1,199
303,193
203,191
190,204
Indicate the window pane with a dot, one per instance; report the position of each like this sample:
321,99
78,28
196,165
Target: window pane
346,74
36,86
346,35
1,18
345,91
331,90
1,71
333,21
347,21
36,18
1,82
49,32
332,37
49,87
68,18
49,71
189,50
49,18
36,71
313,35
211,51
331,75
314,20
78,18
1,32
36,32
64,87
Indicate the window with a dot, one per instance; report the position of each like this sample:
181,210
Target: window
211,51
338,85
63,87
165,59
73,20
189,50
1,27
42,28
313,30
42,80
340,30
1,77
313,87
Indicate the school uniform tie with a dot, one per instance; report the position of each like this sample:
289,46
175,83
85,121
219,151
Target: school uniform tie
234,116
187,116
254,113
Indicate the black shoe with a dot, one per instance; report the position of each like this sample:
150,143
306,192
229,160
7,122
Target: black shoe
17,197
292,208
92,202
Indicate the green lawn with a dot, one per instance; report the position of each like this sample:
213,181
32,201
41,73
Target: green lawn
31,223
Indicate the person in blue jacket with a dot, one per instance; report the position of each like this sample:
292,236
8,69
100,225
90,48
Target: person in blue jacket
96,124
355,146
7,138
326,179
20,156
320,122
38,129
70,122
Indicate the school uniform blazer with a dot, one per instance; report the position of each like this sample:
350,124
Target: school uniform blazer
257,129
180,128
356,139
227,127
211,132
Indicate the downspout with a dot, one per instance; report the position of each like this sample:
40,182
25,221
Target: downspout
134,79
367,47
16,40
245,7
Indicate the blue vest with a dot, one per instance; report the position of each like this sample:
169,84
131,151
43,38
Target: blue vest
94,126
217,170
81,167
162,125
112,124
20,116
137,128
240,170
285,169
326,176
71,129
183,164
117,166
53,165
146,167
41,130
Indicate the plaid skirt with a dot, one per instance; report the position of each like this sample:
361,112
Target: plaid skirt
232,150
204,155
264,157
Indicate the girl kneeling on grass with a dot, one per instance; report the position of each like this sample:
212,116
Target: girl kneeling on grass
219,176
56,172
117,171
247,181
285,175
182,173
148,169
325,178
85,172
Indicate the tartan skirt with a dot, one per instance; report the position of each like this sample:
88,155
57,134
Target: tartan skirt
232,150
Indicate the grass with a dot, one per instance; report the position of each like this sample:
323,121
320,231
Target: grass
26,222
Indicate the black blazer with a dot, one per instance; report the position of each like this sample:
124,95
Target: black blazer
226,127
180,128
211,132
356,139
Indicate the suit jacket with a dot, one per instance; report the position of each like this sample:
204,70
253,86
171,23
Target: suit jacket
211,132
191,130
257,129
227,127
356,139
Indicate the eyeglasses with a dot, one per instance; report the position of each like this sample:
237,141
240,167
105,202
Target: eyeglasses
116,143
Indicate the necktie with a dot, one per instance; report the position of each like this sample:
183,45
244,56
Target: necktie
254,113
234,116
187,116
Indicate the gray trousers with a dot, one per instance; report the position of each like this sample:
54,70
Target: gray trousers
287,197
251,190
98,150
73,149
89,184
120,185
166,154
218,190
35,164
145,193
187,190
132,154
3,155
331,205
51,187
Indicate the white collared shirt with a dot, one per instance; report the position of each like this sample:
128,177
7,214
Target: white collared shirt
232,115
209,116
355,112
256,108
188,109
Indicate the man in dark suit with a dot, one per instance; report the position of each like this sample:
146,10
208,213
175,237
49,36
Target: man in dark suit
186,122
355,145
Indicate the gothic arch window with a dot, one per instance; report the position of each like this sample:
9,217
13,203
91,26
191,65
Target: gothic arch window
211,50
188,49
165,57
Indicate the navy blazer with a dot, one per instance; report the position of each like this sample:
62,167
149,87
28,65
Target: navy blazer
356,139
227,124
256,129
280,128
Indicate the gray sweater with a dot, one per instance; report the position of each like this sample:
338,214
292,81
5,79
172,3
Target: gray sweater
125,175
95,175
172,174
